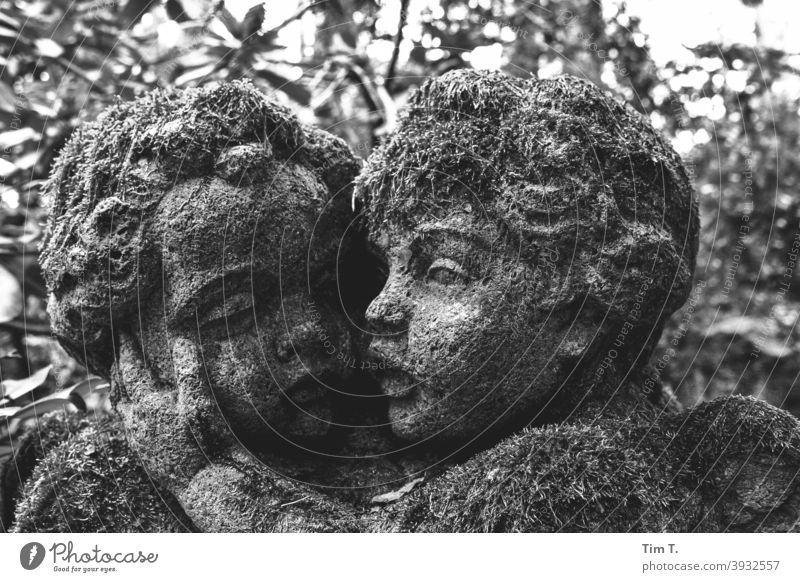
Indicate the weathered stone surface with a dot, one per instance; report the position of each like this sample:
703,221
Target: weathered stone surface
88,479
537,235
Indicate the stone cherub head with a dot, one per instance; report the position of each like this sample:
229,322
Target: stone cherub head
192,256
526,225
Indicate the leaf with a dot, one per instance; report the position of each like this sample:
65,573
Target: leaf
9,33
7,169
14,389
91,385
8,99
45,405
78,402
253,20
395,495
6,453
10,22
10,297
8,428
294,90
49,48
10,139
225,16
194,75
133,11
91,394
9,353
29,327
28,161
175,11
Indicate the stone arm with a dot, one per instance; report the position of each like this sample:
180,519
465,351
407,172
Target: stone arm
728,465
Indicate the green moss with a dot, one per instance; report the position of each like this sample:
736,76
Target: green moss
570,478
474,136
232,496
185,131
30,448
88,480
728,465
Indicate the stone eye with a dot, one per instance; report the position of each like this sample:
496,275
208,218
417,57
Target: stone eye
233,311
447,272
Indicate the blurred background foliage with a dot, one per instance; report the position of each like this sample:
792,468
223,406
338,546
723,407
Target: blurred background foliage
730,107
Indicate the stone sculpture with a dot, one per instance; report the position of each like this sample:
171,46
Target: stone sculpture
536,235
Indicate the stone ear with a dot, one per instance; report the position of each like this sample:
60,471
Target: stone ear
110,217
112,235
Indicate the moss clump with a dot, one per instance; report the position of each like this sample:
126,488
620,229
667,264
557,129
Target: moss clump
728,465
30,448
183,131
472,135
577,478
746,455
234,496
88,480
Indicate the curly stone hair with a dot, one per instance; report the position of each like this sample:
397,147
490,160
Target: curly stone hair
96,256
581,184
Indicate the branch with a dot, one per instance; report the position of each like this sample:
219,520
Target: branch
397,40
297,15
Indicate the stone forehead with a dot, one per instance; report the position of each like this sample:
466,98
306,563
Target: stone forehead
287,215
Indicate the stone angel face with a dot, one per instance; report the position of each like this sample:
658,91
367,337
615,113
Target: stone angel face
248,304
520,222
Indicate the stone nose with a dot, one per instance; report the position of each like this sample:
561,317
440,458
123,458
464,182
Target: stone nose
390,311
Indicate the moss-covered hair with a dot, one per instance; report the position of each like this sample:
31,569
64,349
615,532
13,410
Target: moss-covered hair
563,169
113,171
